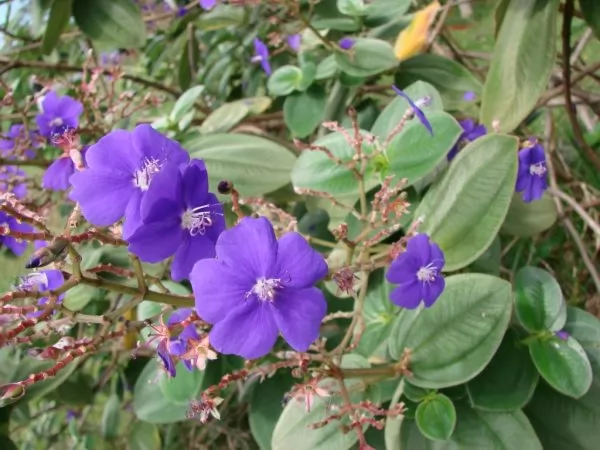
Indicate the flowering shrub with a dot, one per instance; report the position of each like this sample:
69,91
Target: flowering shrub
305,225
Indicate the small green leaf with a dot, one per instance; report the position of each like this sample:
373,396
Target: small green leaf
189,61
367,57
528,219
60,14
184,386
539,302
465,209
326,68
117,23
508,381
303,111
454,340
414,393
144,436
111,418
284,80
221,16
309,71
185,103
78,297
352,7
563,364
436,417
591,13
224,118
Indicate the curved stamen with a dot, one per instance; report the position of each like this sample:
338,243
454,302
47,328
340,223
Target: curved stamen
198,219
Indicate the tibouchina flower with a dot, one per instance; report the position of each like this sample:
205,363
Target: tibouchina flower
121,167
531,178
177,345
58,112
261,55
17,247
12,180
45,280
259,286
294,41
471,131
14,137
346,43
179,217
56,177
416,107
417,270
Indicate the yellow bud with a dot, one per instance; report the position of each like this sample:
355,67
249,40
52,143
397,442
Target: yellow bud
413,38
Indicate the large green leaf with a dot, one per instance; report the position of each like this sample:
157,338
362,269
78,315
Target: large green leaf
414,153
508,381
465,209
304,111
591,13
453,341
522,63
539,301
117,23
184,387
254,165
528,219
60,14
393,112
436,417
366,57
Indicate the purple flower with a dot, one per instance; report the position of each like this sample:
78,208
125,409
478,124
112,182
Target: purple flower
11,181
17,247
44,280
346,43
531,178
57,112
56,177
179,217
417,270
261,54
562,334
16,135
469,134
178,345
121,167
207,4
294,41
416,107
469,96
257,287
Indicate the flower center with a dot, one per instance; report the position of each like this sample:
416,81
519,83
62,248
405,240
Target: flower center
197,220
427,273
538,169
265,289
143,176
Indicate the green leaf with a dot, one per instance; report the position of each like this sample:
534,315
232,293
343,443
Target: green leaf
266,405
144,436
309,71
366,58
465,209
117,24
255,165
591,13
284,80
29,365
109,426
78,297
414,153
528,219
303,111
326,68
60,14
508,381
489,261
393,112
394,424
149,402
563,364
352,7
292,429
185,103
184,387
522,63
453,341
221,16
189,61
224,118
436,417
415,393
539,302
585,328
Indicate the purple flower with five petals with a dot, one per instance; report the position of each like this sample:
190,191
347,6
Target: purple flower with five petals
12,180
471,131
58,112
207,4
178,345
17,247
44,280
179,217
416,108
121,167
261,55
15,136
417,270
56,177
346,43
294,41
531,178
259,286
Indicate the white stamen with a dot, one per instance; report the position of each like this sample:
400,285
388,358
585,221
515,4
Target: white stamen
427,273
197,219
265,289
538,169
256,58
424,101
143,176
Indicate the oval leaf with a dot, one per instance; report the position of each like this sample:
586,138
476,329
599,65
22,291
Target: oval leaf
528,219
465,209
284,80
224,118
436,417
366,57
184,386
185,103
453,341
144,436
110,417
304,111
